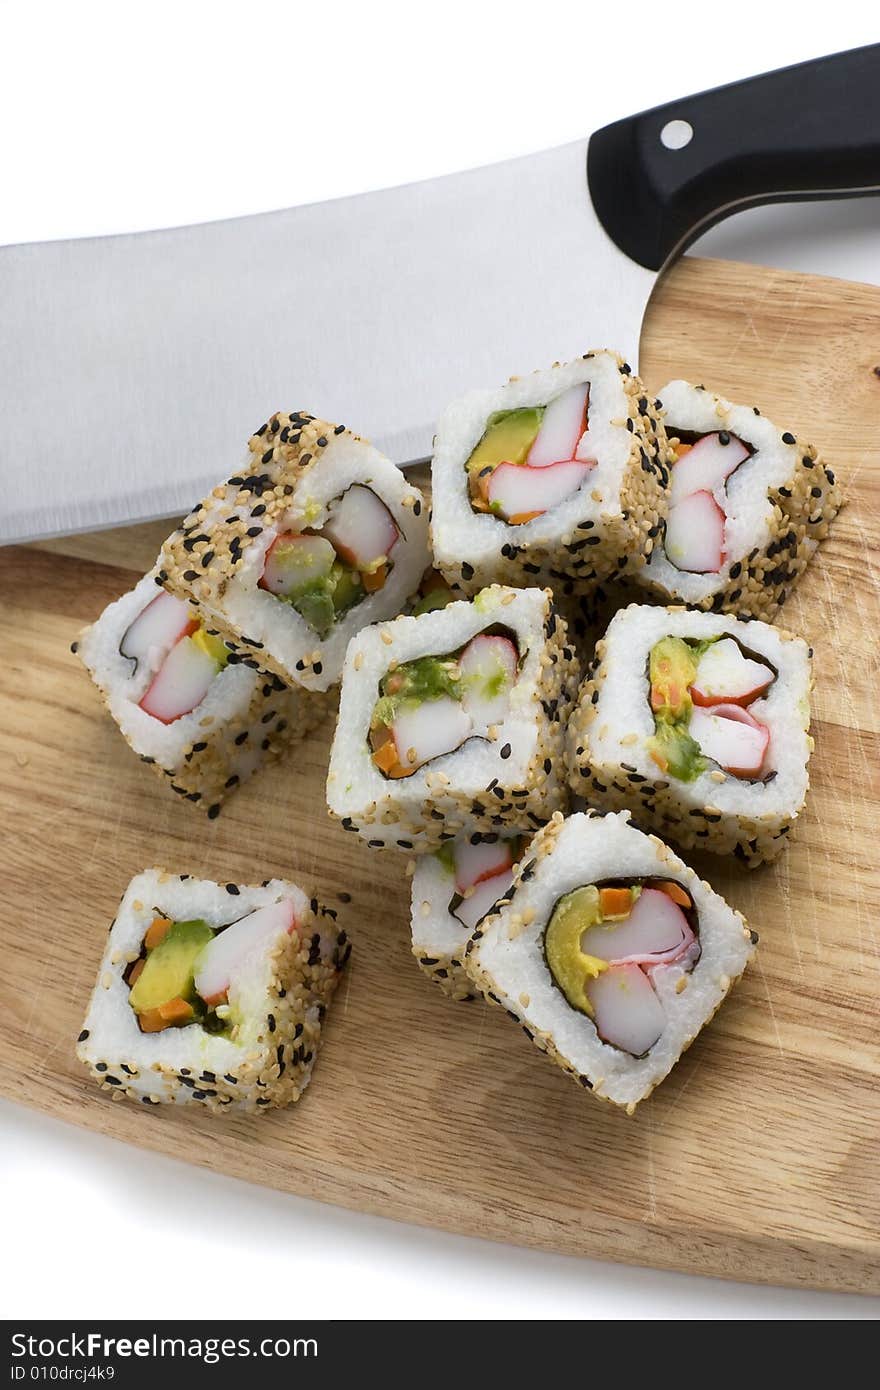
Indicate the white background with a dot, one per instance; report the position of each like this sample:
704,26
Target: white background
119,116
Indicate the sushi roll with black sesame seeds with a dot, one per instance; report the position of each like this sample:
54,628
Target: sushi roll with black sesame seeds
748,505
317,536
212,992
610,952
184,703
698,723
554,478
453,889
454,720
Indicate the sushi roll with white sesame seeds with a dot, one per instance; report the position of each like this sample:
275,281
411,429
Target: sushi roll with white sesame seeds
190,708
699,724
453,889
556,478
748,504
212,993
318,535
610,952
454,720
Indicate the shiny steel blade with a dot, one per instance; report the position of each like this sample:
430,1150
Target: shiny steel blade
134,368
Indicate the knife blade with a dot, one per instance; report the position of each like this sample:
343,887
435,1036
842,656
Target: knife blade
134,367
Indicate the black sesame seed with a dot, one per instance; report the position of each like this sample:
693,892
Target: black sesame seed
467,571
506,751
213,811
241,738
233,888
723,437
100,1066
83,1035
788,437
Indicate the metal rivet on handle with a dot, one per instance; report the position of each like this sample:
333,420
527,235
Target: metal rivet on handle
676,134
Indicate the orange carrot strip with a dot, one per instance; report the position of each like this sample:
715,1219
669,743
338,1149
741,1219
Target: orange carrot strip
374,579
385,757
615,902
520,518
659,759
151,1021
675,892
135,971
398,771
681,450
157,931
175,1011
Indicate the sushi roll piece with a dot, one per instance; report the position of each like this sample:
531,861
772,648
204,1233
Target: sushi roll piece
556,478
212,993
315,537
190,708
699,724
454,720
610,952
453,889
748,505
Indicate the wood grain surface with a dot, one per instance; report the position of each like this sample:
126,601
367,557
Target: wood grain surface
757,1159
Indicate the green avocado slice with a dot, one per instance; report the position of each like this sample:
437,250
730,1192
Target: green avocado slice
508,437
169,968
570,967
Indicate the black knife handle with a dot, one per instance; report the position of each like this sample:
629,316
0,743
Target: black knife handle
804,132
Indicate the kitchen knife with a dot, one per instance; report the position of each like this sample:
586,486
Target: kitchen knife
133,368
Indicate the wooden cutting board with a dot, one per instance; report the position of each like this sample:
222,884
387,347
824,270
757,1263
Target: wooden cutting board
757,1159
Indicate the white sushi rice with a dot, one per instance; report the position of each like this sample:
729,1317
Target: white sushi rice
290,645
439,937
462,535
148,1065
506,956
609,736
753,518
398,812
